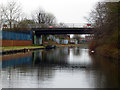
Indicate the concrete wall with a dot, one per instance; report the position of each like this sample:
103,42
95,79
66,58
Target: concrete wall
37,40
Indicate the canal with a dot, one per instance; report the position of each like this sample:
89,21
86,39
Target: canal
65,67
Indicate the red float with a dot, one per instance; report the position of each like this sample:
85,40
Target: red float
4,25
50,26
88,24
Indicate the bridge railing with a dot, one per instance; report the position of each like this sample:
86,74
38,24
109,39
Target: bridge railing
75,25
61,25
34,26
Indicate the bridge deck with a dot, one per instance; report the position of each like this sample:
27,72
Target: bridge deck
63,30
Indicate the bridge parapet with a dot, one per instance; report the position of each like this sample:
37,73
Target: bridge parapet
75,25
62,25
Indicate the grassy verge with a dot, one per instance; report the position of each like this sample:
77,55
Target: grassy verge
32,47
19,47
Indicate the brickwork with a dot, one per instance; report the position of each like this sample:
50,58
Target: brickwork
0,42
15,43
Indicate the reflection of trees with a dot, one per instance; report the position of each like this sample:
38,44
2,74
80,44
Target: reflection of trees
106,72
43,73
76,51
20,75
37,57
46,60
58,56
16,60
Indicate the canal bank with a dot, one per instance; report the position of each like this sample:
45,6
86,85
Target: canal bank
17,49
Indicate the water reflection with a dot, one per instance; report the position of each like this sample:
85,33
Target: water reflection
82,58
56,57
16,60
108,72
54,69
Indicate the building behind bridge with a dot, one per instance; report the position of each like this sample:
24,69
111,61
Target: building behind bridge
89,38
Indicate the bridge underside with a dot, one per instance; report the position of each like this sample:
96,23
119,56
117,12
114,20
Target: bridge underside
40,31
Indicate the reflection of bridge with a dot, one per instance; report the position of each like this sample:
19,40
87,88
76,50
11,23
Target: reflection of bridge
39,31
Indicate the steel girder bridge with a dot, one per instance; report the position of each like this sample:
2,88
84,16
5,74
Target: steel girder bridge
66,28
40,31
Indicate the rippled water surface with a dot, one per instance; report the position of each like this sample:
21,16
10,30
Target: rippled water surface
58,68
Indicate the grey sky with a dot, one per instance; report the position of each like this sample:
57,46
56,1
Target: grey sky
67,11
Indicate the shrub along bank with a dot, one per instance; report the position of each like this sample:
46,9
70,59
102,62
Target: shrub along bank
106,22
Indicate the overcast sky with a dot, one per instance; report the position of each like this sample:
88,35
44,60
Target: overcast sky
67,11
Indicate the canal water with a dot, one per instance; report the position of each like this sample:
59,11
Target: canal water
65,67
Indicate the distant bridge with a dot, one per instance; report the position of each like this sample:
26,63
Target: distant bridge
40,31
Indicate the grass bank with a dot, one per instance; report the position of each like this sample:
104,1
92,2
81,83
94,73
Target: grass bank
20,47
106,48
33,47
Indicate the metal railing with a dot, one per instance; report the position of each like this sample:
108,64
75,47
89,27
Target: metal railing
76,25
61,25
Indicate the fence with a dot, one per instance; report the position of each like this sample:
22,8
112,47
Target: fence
9,35
15,38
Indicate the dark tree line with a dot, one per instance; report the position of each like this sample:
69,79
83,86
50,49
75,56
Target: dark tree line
105,19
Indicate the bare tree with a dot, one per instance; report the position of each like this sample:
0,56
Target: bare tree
105,18
38,16
99,19
50,19
43,18
10,12
62,25
25,23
